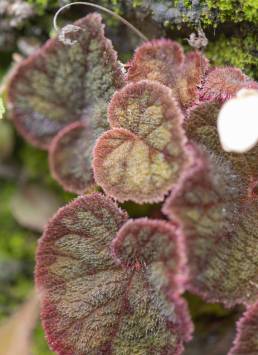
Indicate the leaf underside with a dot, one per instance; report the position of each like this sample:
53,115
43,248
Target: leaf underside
246,342
62,83
144,154
93,305
164,61
217,207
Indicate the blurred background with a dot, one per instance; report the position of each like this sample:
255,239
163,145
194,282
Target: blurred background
28,194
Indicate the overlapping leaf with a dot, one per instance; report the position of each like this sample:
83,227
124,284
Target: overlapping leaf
70,157
217,206
164,61
224,83
90,303
144,154
61,83
246,342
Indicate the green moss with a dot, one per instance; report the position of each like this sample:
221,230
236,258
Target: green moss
235,51
234,10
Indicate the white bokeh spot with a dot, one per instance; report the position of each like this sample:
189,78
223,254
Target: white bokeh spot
238,122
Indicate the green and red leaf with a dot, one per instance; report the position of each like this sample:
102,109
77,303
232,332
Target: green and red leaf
60,84
223,83
164,61
219,219
144,154
90,303
70,157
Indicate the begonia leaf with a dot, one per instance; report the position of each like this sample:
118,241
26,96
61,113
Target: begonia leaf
70,157
219,220
223,83
164,61
152,243
144,154
60,84
246,341
90,304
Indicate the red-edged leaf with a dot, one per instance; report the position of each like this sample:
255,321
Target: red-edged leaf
91,304
60,84
144,154
224,83
164,61
246,342
153,244
156,60
70,157
219,218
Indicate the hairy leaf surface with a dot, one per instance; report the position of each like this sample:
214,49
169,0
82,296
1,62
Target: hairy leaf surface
246,342
61,83
70,157
217,207
224,83
93,305
144,154
164,61
218,215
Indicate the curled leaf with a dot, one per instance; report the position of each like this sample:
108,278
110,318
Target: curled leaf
144,154
70,157
246,342
164,61
90,303
219,220
223,83
60,84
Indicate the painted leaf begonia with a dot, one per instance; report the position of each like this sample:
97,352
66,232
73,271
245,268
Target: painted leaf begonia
70,157
164,61
217,207
60,84
246,342
223,83
144,154
93,304
63,84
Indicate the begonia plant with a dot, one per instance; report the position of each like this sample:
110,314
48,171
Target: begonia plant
147,133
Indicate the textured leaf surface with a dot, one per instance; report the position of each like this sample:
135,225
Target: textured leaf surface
246,342
93,305
224,83
145,243
61,83
144,154
70,157
164,61
219,218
